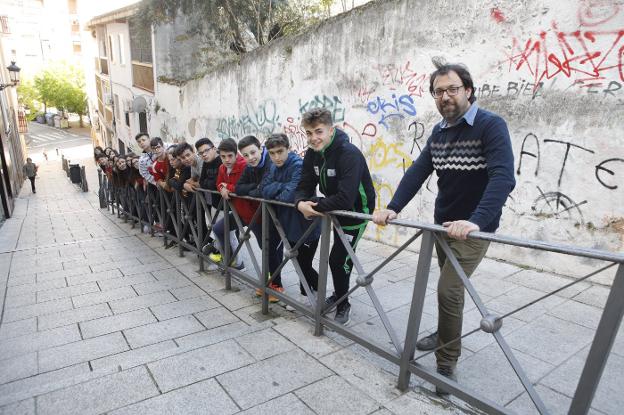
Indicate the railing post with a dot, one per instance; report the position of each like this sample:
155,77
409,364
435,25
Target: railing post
163,214
416,308
226,242
601,346
265,257
178,210
326,229
200,229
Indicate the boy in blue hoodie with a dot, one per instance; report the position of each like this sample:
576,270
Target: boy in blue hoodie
279,184
250,184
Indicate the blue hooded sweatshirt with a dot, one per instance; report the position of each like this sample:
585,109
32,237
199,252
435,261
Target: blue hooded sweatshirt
280,184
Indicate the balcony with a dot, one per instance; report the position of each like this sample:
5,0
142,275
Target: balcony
143,76
108,116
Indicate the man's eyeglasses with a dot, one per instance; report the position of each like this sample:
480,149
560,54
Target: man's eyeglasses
156,147
206,151
451,91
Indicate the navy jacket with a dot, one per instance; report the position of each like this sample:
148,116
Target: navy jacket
343,177
280,184
250,183
474,163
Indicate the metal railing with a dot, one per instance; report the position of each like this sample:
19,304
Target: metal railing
75,173
185,217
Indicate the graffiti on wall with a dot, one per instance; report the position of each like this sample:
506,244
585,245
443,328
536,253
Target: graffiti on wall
389,109
261,120
332,104
592,54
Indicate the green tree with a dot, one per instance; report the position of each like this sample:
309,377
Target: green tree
29,97
242,24
47,85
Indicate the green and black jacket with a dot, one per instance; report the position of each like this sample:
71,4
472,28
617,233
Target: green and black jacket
341,173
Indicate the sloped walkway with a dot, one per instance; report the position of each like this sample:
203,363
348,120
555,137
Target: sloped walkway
98,318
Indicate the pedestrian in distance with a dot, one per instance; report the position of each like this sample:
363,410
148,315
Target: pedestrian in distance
30,170
470,151
340,171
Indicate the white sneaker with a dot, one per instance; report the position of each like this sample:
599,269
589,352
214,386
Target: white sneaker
146,229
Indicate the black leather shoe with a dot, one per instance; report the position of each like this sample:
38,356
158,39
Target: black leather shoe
446,372
428,343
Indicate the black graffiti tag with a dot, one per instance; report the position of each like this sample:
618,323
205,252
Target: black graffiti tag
601,168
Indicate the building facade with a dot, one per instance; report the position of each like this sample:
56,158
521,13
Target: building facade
124,78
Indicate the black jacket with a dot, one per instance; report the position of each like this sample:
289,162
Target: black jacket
178,184
341,172
208,179
250,182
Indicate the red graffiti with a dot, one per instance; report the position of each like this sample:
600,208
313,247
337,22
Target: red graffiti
394,76
590,55
296,135
497,15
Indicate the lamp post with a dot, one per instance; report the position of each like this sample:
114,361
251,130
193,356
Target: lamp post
14,71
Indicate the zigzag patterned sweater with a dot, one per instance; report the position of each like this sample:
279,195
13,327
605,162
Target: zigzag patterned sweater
475,169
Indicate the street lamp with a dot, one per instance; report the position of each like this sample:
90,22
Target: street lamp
14,71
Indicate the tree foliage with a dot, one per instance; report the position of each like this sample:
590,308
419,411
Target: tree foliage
59,85
243,24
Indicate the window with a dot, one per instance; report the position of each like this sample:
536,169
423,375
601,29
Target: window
127,119
142,122
77,48
140,43
110,47
75,26
120,45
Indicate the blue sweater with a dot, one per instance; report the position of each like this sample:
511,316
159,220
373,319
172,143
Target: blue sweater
474,163
280,184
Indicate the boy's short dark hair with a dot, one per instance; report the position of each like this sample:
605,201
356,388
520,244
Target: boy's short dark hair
203,142
277,140
139,135
172,149
460,70
248,141
317,116
156,141
181,148
228,145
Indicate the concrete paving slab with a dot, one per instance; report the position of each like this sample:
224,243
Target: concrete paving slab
17,346
300,333
117,322
264,344
99,395
142,301
90,299
202,398
137,357
163,330
18,367
26,407
333,395
65,292
285,404
73,316
267,379
18,328
187,368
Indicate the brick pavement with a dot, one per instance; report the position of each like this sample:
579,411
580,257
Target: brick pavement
98,318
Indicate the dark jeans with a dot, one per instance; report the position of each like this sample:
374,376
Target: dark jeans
275,245
32,183
340,261
305,256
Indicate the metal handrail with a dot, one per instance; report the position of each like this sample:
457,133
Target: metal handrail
403,353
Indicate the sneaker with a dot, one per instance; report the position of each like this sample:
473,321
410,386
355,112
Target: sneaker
277,288
208,249
331,300
239,266
428,343
215,258
146,229
446,372
342,314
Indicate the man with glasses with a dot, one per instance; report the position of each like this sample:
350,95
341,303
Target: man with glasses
470,151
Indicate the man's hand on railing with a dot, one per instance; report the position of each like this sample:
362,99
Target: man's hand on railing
307,209
381,217
190,185
460,229
225,193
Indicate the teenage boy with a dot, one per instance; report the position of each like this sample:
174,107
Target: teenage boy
339,169
145,161
250,184
208,181
160,163
229,173
279,184
470,151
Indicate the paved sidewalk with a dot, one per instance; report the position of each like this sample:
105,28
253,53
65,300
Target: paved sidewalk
97,318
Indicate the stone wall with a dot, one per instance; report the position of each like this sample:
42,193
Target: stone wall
553,70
